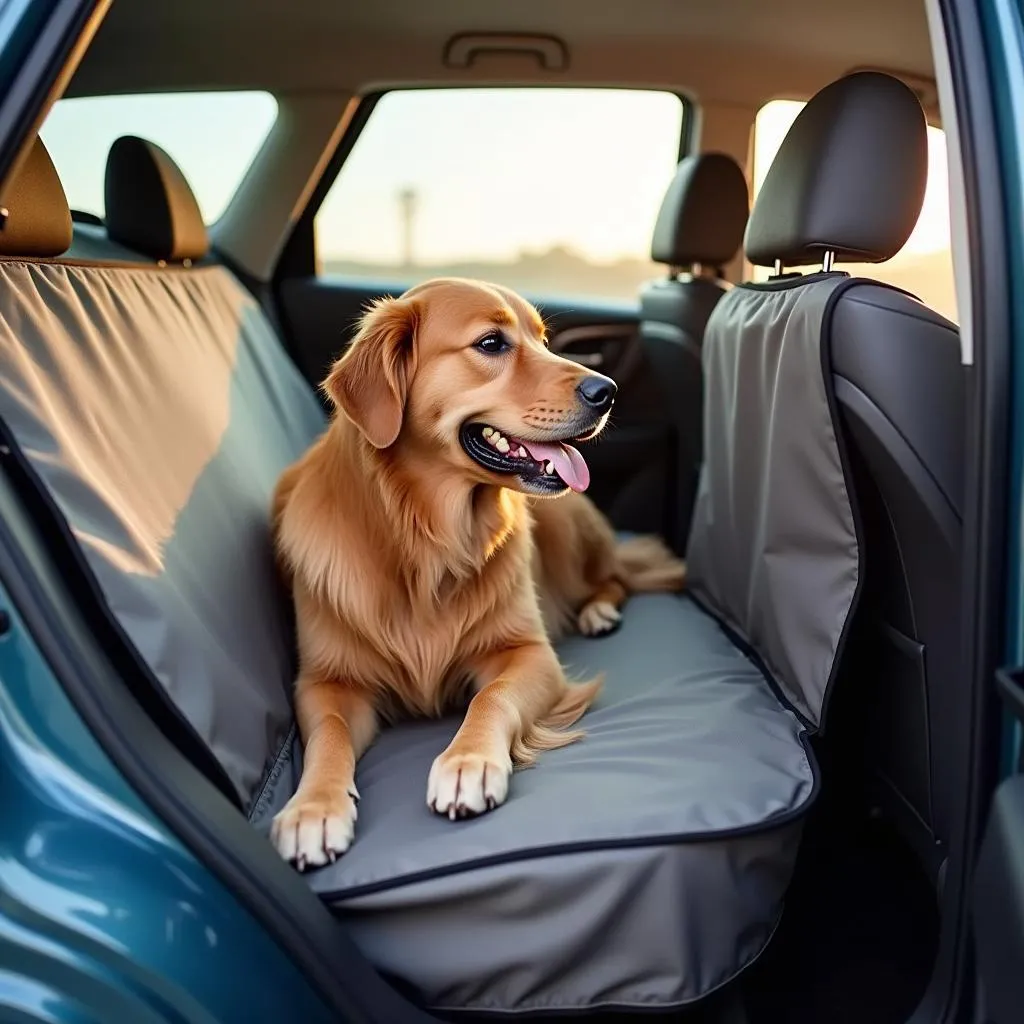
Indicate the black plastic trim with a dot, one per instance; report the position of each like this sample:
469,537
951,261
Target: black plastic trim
946,517
999,905
1010,683
61,31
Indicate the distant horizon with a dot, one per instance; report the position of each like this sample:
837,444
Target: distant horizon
562,270
492,178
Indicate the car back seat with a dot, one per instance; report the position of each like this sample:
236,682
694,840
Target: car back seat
698,231
643,867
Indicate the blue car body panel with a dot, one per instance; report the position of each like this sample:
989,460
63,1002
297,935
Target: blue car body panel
104,915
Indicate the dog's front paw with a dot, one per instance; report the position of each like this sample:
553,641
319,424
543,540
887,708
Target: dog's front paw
316,829
462,785
599,618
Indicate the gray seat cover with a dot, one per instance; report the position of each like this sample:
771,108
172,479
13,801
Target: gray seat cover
644,866
773,549
588,886
158,408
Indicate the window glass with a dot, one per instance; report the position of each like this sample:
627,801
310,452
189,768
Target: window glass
924,266
548,191
212,136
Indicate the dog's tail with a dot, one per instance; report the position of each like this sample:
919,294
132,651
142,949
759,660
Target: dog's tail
646,564
553,730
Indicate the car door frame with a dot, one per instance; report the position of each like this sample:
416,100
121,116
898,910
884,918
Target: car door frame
973,113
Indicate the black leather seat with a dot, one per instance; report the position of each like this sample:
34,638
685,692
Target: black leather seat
847,185
699,230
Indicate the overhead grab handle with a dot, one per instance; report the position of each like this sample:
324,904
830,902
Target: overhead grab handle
462,50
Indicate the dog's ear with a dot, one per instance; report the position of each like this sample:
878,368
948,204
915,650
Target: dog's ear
370,381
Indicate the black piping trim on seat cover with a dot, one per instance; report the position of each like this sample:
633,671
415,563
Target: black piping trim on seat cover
144,686
744,646
338,897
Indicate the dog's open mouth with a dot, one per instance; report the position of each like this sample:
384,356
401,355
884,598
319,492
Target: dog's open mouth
547,466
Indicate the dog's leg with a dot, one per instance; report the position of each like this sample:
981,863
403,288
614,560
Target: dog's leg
336,723
519,691
602,612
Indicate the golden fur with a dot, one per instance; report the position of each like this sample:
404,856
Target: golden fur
421,578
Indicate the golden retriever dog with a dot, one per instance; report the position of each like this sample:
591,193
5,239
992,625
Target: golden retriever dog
427,563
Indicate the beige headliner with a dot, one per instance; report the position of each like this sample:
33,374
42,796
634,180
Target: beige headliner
733,51
729,56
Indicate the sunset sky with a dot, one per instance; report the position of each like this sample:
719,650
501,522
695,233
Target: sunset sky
497,172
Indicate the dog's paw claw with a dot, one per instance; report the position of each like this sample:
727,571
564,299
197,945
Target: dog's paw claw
599,618
311,832
464,785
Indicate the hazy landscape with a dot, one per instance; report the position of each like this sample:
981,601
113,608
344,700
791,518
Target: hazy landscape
554,272
560,271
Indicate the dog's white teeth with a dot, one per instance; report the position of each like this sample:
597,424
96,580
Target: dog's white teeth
493,439
488,431
521,452
502,445
549,467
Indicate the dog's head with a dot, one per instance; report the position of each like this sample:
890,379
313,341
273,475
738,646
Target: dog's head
460,371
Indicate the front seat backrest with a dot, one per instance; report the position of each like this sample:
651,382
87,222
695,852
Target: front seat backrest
847,184
698,231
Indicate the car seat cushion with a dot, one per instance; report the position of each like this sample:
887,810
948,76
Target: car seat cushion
685,793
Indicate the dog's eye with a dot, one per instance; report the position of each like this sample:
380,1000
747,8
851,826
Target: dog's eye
492,344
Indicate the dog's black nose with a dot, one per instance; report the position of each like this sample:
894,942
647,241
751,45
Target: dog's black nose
597,392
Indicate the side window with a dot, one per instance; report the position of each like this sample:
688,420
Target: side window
212,136
548,191
924,266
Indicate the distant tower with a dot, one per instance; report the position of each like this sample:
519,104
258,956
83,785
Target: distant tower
407,200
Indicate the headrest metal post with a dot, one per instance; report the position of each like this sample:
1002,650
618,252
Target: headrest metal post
777,272
828,261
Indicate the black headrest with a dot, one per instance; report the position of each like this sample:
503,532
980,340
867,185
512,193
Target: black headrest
703,214
38,219
149,205
848,178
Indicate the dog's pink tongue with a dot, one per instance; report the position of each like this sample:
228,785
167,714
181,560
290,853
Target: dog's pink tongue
568,463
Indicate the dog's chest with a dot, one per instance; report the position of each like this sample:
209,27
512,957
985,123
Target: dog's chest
421,645
426,651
